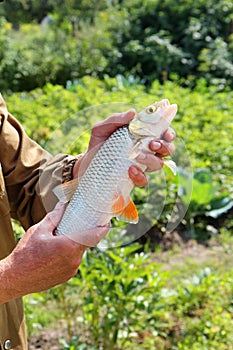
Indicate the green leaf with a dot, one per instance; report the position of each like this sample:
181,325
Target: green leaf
221,206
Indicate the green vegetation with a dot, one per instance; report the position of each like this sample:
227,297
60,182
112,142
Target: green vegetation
147,39
122,300
97,57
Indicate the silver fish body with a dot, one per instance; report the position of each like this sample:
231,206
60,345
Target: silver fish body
103,191
102,183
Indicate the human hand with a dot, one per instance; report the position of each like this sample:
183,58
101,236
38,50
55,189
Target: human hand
41,259
102,130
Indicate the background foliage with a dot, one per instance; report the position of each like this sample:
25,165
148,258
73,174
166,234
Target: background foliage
123,300
148,39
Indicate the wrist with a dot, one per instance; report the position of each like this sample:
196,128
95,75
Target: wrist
76,167
71,167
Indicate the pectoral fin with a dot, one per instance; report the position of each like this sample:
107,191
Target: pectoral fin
135,151
171,165
64,192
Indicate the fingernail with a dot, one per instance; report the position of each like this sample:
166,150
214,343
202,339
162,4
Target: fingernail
134,171
170,136
155,145
131,111
173,132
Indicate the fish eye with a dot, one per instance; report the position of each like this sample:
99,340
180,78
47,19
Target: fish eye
151,109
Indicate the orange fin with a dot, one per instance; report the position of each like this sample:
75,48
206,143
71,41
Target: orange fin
65,191
129,213
119,205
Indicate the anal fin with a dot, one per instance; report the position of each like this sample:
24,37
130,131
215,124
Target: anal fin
118,205
129,213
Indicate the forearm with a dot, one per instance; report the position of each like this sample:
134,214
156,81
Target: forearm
8,289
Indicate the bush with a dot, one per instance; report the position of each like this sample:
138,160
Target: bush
122,300
149,40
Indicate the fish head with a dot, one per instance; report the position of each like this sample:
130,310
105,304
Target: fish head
153,120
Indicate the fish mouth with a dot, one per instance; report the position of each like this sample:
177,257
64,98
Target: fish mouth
158,112
165,110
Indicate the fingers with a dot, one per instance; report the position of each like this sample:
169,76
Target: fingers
162,148
102,130
100,232
137,176
169,135
52,219
151,162
109,125
90,238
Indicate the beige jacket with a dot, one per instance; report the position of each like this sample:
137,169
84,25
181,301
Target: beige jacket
27,176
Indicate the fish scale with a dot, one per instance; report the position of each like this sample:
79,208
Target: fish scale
91,204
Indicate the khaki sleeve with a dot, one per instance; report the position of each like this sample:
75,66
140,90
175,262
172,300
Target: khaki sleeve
30,173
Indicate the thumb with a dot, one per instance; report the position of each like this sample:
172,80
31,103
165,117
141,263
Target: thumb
90,238
52,219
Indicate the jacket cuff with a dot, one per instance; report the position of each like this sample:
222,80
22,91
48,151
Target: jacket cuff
69,161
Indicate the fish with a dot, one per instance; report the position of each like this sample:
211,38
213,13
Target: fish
104,190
